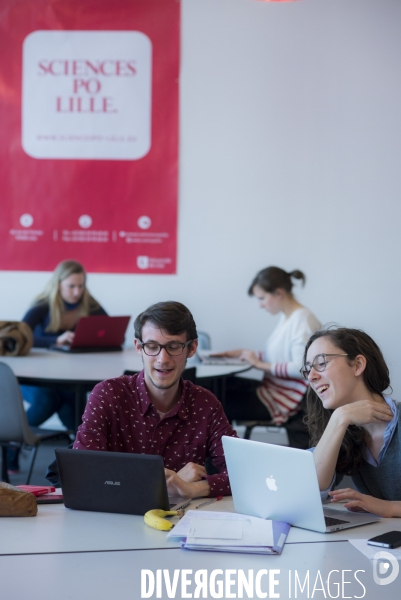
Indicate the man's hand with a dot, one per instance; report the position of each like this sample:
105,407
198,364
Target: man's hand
65,338
357,502
192,472
363,412
176,486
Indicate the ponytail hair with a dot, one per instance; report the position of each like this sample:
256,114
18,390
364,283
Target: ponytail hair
273,278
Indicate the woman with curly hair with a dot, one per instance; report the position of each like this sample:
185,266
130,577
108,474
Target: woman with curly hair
353,424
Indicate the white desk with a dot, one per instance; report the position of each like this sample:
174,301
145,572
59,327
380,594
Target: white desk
106,575
68,554
80,372
61,367
57,529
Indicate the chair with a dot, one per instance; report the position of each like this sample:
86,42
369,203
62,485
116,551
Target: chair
14,424
297,431
204,341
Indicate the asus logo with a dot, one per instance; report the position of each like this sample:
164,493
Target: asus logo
112,483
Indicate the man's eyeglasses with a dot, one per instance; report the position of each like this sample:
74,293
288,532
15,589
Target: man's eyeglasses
319,363
172,348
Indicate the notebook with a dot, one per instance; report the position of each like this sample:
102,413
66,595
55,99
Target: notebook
115,482
99,333
229,532
280,483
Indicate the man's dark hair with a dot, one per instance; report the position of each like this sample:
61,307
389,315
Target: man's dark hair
171,316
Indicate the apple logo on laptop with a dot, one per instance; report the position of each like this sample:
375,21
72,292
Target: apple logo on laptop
271,483
101,333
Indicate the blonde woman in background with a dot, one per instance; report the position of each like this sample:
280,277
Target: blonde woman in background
53,317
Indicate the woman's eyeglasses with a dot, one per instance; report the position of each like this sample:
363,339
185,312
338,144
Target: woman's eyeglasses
319,363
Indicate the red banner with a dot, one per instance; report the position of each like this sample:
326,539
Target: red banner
89,134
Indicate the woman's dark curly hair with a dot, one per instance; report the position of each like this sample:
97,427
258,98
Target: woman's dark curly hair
376,378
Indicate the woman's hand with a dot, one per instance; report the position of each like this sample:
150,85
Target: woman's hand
355,502
247,356
65,338
363,412
228,354
250,356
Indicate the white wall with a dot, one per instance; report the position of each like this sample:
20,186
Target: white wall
290,156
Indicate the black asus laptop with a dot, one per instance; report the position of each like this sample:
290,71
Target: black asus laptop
116,482
99,333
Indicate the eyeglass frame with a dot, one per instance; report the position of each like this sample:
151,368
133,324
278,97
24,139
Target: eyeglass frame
311,365
164,346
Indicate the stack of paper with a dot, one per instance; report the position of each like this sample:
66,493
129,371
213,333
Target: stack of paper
230,532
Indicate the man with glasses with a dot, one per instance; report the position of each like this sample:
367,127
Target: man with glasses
157,412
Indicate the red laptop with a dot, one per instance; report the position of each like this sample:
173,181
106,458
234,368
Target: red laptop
97,334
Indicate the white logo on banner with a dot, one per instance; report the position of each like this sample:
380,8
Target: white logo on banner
87,94
144,222
85,221
142,262
26,220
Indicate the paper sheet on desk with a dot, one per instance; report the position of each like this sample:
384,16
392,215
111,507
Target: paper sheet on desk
246,530
230,532
217,532
370,551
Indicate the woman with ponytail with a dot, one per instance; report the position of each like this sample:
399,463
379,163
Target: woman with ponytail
278,397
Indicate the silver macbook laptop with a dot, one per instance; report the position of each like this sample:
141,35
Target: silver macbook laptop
280,483
97,333
116,482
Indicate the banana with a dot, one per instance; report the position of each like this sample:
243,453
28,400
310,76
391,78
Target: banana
155,518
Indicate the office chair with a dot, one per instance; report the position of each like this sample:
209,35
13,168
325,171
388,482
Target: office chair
14,424
204,341
297,431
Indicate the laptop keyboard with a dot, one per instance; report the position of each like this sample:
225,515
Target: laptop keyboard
332,521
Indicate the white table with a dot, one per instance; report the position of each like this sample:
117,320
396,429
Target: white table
106,575
69,554
61,367
58,529
80,372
